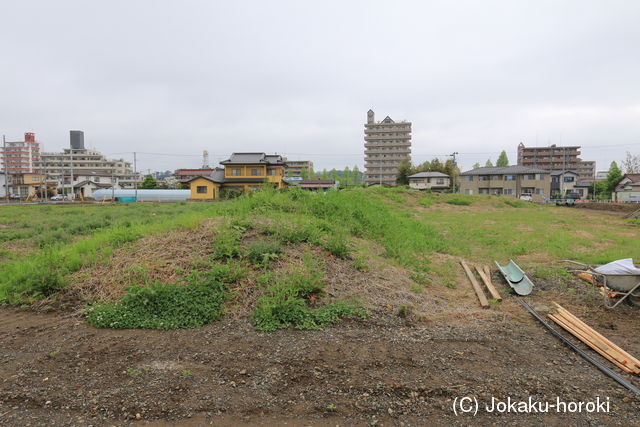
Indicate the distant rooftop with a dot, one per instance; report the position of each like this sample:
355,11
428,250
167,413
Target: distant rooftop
505,170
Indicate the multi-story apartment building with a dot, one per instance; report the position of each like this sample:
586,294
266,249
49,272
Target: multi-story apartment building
77,160
21,156
513,181
295,167
386,145
556,158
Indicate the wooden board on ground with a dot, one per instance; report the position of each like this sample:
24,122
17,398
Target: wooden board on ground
595,340
486,278
476,286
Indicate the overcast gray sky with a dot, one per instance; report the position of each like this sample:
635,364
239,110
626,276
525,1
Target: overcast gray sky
297,77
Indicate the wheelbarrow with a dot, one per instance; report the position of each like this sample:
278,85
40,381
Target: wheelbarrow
626,286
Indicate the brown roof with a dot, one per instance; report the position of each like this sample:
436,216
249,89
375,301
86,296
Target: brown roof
193,171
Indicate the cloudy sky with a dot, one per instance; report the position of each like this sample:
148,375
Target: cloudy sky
297,77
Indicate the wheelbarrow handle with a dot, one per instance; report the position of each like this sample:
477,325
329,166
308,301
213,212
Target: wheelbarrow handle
576,262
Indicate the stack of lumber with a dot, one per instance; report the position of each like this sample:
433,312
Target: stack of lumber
595,340
485,275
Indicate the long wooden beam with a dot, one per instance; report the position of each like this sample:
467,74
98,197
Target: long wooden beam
487,282
584,326
582,337
476,286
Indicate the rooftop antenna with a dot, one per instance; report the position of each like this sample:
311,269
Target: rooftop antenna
205,159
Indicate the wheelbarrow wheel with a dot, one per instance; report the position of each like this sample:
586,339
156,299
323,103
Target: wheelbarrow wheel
634,300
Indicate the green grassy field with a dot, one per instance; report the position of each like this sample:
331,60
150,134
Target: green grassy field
41,246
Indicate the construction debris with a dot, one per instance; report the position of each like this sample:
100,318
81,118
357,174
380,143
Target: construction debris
516,278
586,356
485,275
476,286
595,340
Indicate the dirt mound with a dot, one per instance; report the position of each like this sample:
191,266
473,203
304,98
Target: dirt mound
160,258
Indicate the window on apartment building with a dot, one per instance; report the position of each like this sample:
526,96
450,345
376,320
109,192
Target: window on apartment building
255,172
271,172
236,172
484,191
508,191
568,179
468,178
509,177
539,191
440,181
201,189
496,178
483,178
530,176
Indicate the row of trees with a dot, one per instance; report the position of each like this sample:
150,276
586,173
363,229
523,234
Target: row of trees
407,169
502,161
348,177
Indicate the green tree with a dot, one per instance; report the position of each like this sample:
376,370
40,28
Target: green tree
334,175
346,177
404,170
304,173
476,165
503,160
149,182
613,177
436,166
356,176
325,174
489,164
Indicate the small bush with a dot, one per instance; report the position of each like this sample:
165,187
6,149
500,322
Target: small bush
338,247
161,306
460,201
227,245
263,252
516,203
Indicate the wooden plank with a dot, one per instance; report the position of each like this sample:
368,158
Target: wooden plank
487,282
578,334
476,286
624,355
579,322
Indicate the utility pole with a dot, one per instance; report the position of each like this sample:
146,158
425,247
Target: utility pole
73,194
6,174
135,175
455,164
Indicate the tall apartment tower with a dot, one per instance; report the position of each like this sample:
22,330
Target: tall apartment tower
386,145
21,156
556,158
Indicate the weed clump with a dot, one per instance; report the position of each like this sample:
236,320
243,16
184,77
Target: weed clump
460,200
160,306
263,252
291,301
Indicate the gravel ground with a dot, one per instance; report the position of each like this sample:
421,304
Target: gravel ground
56,369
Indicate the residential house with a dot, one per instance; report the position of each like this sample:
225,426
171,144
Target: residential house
183,176
514,181
242,173
323,185
85,182
27,184
628,188
434,181
563,182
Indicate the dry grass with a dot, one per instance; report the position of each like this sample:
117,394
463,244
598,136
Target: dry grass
163,258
